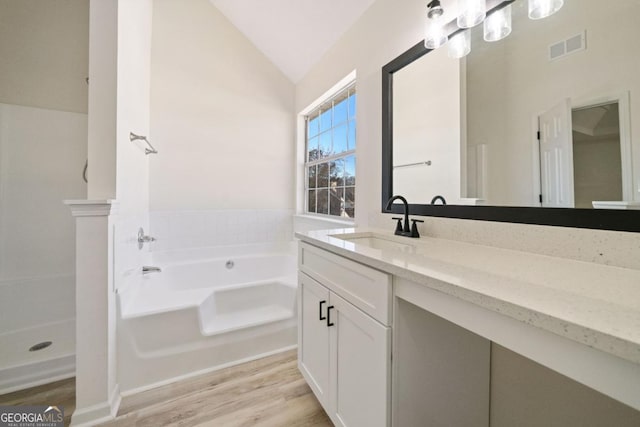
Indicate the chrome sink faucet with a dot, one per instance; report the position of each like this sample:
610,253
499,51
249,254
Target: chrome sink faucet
404,230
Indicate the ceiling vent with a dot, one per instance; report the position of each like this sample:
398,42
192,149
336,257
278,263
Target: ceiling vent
568,46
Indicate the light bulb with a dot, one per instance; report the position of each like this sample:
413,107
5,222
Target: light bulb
539,9
498,25
434,36
473,13
459,45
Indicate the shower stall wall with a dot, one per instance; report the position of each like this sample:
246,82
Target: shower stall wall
42,156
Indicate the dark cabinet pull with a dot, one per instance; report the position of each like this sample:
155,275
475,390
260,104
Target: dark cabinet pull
320,309
329,323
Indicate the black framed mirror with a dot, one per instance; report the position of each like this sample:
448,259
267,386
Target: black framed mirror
530,211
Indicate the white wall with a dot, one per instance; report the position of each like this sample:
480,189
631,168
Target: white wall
103,60
133,115
133,97
176,230
386,29
426,128
513,81
221,115
44,46
43,148
596,170
42,153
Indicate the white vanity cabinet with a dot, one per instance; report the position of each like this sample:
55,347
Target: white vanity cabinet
481,336
344,337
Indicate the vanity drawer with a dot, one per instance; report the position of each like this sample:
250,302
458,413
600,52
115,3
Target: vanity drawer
365,287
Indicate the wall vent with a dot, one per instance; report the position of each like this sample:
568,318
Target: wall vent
568,46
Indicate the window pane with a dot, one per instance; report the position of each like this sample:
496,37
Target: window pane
312,149
352,106
312,177
331,132
349,201
340,139
325,145
313,126
323,201
325,120
352,135
336,173
340,112
323,175
350,170
311,203
336,201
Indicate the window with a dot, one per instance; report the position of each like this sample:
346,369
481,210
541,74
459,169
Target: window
330,164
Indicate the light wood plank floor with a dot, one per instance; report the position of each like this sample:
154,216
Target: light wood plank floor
60,393
269,392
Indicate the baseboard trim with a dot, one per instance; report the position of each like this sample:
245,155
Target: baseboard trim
99,413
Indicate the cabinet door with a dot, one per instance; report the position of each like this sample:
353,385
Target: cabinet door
359,369
313,336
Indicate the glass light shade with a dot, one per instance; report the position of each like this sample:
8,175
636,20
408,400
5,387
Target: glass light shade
434,36
498,25
459,45
472,12
539,9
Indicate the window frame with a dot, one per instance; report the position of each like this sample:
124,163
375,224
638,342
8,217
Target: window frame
345,91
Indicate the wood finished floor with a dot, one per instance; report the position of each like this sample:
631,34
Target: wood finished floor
60,393
268,392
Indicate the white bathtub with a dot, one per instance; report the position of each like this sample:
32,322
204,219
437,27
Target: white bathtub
207,309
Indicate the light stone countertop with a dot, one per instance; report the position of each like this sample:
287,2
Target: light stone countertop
593,304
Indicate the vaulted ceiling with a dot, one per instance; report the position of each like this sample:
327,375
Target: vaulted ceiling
293,34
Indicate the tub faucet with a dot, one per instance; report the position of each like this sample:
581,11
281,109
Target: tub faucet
146,269
400,229
143,238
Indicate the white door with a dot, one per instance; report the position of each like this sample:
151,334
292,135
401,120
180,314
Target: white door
556,156
360,367
313,336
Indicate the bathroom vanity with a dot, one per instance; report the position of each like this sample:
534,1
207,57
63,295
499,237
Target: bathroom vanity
399,331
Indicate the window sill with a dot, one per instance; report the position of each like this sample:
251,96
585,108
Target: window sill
345,223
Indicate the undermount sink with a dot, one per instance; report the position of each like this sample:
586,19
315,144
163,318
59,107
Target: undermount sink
376,241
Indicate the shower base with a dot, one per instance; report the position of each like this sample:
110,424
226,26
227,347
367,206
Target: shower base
21,368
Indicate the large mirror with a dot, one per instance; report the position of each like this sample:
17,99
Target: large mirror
547,117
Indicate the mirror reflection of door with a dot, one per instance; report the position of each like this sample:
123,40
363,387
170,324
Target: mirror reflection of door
581,155
597,154
556,156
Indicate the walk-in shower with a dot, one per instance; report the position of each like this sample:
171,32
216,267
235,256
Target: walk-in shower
42,154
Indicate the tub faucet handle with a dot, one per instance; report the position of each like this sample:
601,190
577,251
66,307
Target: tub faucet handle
143,238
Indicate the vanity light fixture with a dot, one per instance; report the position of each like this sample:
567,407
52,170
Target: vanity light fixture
498,25
459,45
435,35
539,9
435,9
473,13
